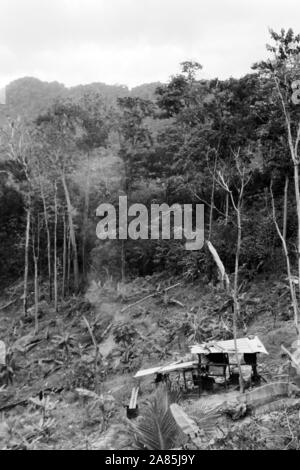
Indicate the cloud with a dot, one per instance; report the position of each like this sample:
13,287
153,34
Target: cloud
135,41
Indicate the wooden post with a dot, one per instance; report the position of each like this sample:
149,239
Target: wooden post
184,378
25,294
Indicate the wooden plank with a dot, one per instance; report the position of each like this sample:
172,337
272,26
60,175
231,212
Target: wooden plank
2,353
133,399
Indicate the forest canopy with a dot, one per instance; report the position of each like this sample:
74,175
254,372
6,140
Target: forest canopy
65,151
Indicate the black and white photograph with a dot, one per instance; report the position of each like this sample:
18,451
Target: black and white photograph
150,228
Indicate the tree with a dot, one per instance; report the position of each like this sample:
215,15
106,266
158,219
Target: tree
57,131
244,177
95,121
16,150
42,185
35,252
283,68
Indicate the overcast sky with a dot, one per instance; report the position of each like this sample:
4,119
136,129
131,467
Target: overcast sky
135,41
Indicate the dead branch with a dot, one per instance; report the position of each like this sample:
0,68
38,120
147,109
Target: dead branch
149,297
10,406
175,301
3,307
97,352
288,264
205,202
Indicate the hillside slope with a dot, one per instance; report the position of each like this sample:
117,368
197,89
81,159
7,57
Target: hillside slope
29,96
60,359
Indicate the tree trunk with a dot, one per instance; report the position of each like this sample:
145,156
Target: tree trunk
236,305
36,292
85,215
297,193
36,295
212,199
123,262
72,234
48,240
27,235
64,257
35,253
226,208
55,249
285,207
69,261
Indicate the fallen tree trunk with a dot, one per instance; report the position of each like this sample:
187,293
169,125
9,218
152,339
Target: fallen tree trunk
264,395
149,296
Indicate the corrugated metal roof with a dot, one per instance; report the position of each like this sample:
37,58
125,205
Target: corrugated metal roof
165,369
244,345
178,366
144,372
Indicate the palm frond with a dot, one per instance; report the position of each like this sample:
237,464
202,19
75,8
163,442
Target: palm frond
156,428
207,413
